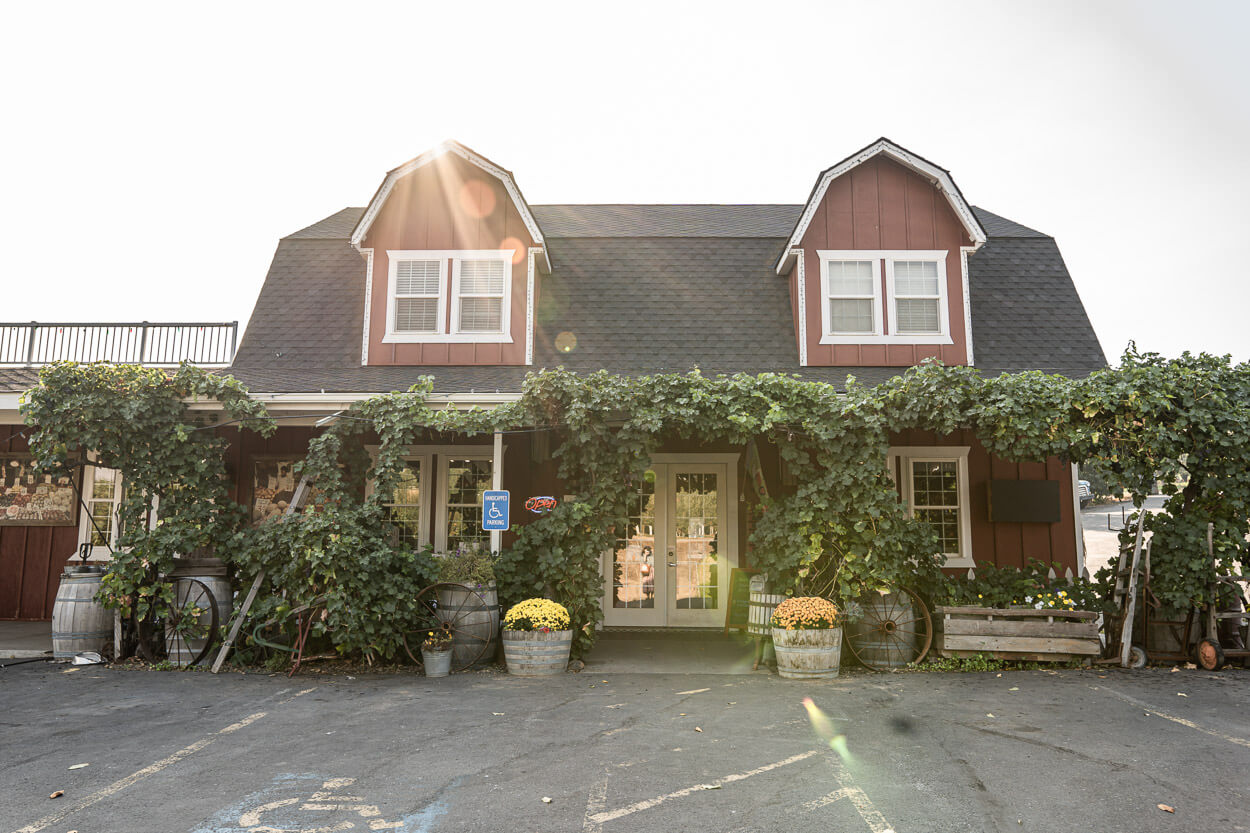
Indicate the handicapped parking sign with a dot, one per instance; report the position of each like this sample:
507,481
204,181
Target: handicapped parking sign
495,511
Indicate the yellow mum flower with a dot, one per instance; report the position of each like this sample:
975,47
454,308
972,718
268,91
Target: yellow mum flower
537,615
805,613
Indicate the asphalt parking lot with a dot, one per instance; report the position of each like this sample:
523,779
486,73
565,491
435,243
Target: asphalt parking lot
1067,750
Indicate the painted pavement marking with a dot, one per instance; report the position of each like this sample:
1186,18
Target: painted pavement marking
1144,706
609,815
695,691
163,763
595,805
859,799
116,787
321,801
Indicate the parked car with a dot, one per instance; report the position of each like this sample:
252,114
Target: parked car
1083,492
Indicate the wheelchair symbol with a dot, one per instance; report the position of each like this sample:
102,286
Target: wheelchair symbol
494,512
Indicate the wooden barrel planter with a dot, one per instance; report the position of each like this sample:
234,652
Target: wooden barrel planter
79,622
760,613
537,653
475,622
813,654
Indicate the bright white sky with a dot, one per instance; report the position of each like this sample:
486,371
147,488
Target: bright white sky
154,154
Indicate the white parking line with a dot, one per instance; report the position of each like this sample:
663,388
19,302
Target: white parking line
118,786
594,805
610,815
1189,724
113,789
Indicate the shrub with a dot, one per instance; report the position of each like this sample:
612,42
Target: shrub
470,567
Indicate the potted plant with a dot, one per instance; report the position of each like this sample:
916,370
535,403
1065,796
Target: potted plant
436,653
537,638
474,570
807,637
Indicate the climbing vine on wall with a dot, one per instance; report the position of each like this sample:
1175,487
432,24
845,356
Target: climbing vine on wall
841,530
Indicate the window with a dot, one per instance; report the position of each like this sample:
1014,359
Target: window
913,311
418,296
934,485
851,289
425,305
479,296
405,508
464,479
917,297
102,492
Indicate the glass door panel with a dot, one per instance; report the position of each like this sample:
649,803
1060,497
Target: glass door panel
696,556
633,582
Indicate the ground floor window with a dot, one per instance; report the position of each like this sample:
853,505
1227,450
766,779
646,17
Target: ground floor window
102,494
933,481
437,499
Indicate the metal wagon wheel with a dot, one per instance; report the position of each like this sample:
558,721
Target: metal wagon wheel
180,630
901,626
432,615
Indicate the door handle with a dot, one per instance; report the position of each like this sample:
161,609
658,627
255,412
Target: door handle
671,562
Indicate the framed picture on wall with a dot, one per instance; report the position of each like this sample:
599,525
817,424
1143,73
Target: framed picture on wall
31,498
273,487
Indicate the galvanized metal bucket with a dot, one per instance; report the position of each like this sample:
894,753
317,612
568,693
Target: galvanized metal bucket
537,653
808,654
437,663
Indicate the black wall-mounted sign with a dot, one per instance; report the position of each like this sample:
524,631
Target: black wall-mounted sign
1024,501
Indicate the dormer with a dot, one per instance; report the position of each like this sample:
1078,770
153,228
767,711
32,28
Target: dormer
877,263
452,256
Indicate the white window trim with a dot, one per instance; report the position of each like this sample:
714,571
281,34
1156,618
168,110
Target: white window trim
884,311
85,527
943,335
445,454
445,333
505,314
828,336
900,458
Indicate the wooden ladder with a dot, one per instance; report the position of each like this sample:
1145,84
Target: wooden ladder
1125,596
297,500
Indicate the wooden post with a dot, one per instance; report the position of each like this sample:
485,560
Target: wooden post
496,537
301,491
1213,601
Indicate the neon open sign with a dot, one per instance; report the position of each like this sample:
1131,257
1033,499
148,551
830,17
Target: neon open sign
540,504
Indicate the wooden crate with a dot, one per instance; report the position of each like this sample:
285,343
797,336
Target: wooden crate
1018,633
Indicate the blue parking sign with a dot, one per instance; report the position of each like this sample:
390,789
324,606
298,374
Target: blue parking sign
495,511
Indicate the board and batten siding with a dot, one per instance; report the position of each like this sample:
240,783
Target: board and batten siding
881,205
31,557
448,204
1009,544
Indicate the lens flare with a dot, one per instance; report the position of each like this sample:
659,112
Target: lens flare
824,729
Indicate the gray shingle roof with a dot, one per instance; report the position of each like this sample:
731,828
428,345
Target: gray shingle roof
645,289
17,379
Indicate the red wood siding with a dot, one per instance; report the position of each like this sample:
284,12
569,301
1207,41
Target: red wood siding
1009,544
883,205
449,204
31,557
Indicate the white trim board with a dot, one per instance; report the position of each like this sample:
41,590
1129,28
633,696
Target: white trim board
449,146
940,178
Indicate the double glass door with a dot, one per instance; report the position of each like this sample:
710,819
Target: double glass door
671,567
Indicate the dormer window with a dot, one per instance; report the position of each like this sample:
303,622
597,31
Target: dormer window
908,307
450,296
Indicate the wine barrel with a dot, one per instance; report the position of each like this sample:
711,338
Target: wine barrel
79,622
760,613
475,609
814,654
537,653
